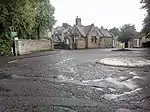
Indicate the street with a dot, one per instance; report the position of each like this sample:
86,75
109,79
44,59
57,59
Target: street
73,81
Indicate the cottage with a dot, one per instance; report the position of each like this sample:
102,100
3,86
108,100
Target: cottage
145,41
140,40
59,35
89,36
116,43
106,39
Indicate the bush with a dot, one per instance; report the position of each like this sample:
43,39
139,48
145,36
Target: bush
5,46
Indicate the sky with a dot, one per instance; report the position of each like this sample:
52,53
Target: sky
106,13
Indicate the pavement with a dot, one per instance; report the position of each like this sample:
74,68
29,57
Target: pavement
73,81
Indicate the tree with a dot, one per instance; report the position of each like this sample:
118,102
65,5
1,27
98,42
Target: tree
45,16
66,25
146,25
115,31
17,15
24,17
128,31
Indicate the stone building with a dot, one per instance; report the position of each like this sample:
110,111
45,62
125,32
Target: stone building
106,39
89,37
59,35
140,40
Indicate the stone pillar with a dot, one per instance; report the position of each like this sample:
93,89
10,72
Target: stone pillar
16,46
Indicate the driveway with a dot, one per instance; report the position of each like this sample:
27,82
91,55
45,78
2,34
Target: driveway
73,81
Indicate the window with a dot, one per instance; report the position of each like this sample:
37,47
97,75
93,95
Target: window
93,39
100,40
104,40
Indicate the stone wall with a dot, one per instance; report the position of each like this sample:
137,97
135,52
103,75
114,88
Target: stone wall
93,38
108,42
27,46
95,43
81,43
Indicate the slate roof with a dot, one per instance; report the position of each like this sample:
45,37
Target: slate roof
84,30
87,29
81,30
138,36
99,33
59,33
105,32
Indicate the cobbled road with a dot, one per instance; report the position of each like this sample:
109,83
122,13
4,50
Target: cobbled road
73,81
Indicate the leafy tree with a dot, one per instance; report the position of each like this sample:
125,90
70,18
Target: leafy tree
115,31
17,15
128,31
44,18
24,17
66,25
146,6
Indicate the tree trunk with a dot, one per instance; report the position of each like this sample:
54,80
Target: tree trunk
38,32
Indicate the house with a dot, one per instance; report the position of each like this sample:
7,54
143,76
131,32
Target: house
59,34
135,42
88,36
145,40
140,40
106,39
116,43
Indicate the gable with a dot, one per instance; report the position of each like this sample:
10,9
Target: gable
105,32
75,31
94,32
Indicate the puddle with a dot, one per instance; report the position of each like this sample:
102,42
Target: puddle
110,96
137,77
13,61
112,83
130,84
123,110
99,89
115,96
64,61
111,89
133,73
63,78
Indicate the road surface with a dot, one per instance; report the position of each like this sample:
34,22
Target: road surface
72,81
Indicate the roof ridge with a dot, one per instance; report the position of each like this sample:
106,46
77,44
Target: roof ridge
79,30
90,28
99,31
109,32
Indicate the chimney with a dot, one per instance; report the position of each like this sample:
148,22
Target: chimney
78,21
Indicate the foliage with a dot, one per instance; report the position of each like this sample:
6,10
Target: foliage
115,31
128,31
24,17
44,18
18,16
66,25
146,6
5,45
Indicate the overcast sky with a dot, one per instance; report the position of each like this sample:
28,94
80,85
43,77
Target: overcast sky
106,13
